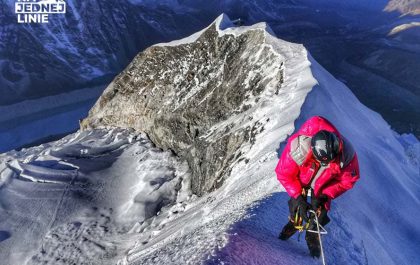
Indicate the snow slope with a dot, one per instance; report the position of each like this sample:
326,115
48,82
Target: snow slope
358,235
85,199
70,202
375,223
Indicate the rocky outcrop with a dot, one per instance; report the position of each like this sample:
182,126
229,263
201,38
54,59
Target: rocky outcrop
192,96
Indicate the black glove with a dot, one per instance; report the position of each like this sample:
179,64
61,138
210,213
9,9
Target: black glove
299,204
319,201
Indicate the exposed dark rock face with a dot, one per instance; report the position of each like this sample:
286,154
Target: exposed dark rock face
186,98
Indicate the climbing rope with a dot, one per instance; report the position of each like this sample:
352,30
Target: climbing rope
323,232
320,230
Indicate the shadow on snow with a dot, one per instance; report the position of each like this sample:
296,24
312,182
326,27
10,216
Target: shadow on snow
254,240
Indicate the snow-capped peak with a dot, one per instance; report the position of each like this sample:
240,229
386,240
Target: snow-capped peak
208,96
221,22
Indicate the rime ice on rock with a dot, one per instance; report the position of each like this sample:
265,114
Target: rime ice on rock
190,96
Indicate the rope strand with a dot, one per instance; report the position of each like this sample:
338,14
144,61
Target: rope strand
319,235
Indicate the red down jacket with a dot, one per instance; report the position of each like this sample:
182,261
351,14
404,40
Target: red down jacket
297,166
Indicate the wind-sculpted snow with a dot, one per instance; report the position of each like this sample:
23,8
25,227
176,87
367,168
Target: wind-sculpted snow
109,196
371,224
270,113
239,222
70,201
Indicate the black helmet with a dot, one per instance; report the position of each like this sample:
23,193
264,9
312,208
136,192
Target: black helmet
325,146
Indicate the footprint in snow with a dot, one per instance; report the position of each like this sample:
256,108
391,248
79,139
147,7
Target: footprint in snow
4,235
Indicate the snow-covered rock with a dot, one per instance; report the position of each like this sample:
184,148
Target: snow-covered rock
372,224
203,96
95,40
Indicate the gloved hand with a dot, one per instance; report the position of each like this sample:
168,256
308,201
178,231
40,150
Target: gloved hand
299,204
319,201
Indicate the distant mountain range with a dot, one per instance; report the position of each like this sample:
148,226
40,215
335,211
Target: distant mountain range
367,45
87,46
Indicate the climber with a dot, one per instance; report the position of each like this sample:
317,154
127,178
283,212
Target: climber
317,162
